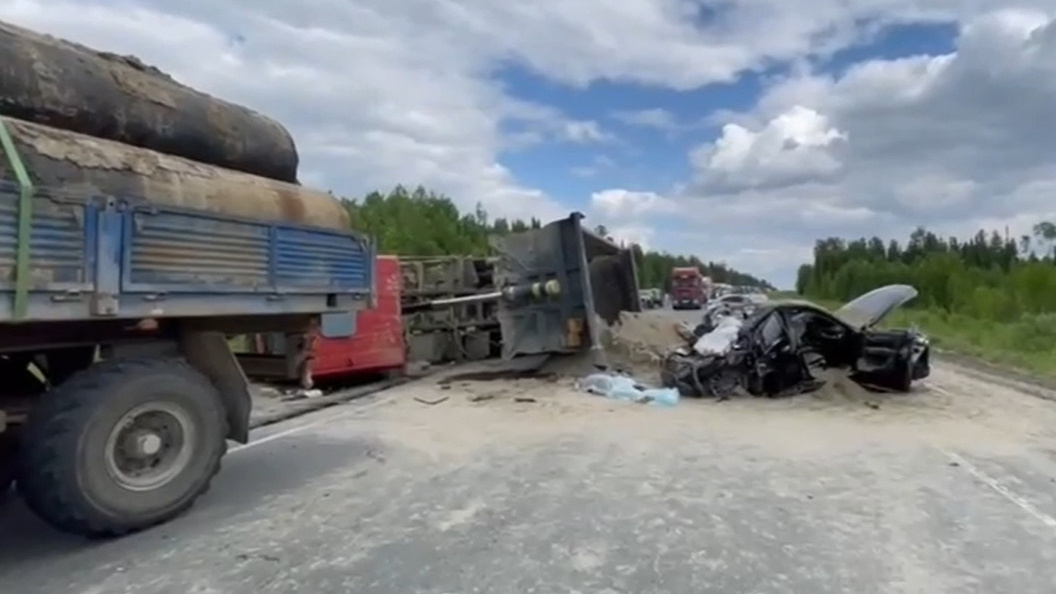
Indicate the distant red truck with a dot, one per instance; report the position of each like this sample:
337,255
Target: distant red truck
688,288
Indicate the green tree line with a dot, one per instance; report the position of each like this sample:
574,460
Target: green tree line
654,270
989,295
420,222
988,276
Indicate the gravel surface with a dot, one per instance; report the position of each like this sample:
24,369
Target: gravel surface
526,485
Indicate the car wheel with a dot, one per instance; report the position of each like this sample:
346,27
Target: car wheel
904,375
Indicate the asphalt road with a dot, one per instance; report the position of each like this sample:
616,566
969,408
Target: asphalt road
949,489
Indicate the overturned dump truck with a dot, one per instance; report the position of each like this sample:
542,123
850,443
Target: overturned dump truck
122,271
546,291
559,284
466,331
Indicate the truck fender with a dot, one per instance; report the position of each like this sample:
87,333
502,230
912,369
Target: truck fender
208,352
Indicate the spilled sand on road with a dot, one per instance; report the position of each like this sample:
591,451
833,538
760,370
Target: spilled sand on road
949,409
481,417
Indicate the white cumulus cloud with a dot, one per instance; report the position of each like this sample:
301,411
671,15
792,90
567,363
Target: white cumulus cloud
797,146
620,204
378,93
952,142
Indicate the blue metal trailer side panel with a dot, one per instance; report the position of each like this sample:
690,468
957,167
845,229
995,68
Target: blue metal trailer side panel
100,257
59,247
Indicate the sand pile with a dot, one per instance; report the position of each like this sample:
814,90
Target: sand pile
646,333
638,341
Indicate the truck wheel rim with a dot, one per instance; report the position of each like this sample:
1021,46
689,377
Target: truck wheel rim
150,446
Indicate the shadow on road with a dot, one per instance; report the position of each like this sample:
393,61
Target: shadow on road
248,477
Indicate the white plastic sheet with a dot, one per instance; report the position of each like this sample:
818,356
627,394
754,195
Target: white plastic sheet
721,339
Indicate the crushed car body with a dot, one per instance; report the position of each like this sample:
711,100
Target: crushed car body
773,350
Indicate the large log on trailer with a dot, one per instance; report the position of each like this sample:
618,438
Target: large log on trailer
69,163
61,84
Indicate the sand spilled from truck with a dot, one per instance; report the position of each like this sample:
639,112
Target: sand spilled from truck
518,412
638,342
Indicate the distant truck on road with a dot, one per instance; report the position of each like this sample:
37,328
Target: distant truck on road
689,289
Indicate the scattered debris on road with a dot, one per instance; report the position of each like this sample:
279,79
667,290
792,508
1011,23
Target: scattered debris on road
431,401
621,387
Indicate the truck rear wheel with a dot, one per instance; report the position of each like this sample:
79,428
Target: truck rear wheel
121,446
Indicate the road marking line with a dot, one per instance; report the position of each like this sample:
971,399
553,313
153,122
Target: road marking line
308,425
1007,493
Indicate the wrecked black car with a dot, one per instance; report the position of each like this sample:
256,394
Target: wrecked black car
774,351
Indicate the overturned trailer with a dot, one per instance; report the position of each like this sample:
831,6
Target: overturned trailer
546,291
459,308
461,331
595,280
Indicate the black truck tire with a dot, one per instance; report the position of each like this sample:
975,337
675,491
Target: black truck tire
121,446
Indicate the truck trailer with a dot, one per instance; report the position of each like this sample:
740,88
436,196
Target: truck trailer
121,391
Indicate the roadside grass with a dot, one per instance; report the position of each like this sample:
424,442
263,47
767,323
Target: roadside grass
1027,344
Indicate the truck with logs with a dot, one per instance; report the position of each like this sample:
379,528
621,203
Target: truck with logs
141,223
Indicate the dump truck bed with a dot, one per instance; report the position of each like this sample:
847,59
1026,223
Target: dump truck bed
99,257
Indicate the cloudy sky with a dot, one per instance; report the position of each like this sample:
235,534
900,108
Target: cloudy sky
738,130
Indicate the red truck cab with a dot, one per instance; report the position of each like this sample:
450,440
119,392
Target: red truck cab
688,290
343,346
368,341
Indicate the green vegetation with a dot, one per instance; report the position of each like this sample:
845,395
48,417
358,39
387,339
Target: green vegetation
654,269
991,296
424,223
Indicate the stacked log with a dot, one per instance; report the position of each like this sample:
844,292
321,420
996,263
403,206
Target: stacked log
78,164
95,123
57,83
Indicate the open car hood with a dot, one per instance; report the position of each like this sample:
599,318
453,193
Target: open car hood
871,308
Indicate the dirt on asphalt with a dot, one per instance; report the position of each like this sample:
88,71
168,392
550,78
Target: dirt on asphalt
529,484
952,408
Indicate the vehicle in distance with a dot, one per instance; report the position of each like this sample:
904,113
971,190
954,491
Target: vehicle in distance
650,298
688,289
732,304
